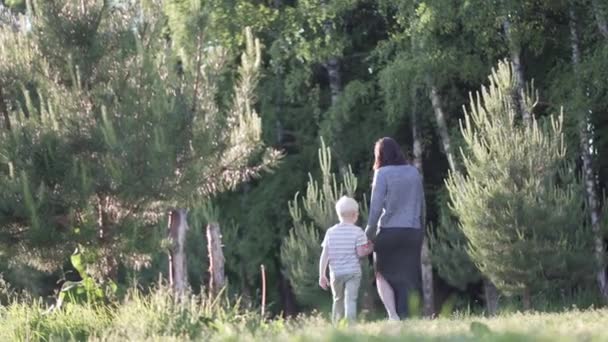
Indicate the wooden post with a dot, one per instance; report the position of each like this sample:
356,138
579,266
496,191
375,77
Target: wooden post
263,291
216,258
178,271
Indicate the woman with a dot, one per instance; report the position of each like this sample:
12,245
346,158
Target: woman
395,227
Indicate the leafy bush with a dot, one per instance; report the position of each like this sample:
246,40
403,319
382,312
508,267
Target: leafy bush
87,289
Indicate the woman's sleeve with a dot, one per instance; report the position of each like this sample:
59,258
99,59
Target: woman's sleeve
423,205
379,188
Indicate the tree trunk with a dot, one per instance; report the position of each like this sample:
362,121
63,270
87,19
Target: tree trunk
106,216
334,75
526,299
574,42
178,272
4,110
491,297
442,127
417,148
332,65
245,291
335,78
425,255
591,194
216,259
428,295
600,19
289,305
515,53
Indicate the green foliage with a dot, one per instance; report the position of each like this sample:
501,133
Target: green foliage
313,31
355,117
197,317
142,315
103,99
192,22
15,4
520,204
107,133
448,246
299,254
87,290
158,317
6,291
30,321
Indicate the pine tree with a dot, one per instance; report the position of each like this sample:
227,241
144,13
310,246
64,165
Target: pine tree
107,133
300,250
449,250
520,204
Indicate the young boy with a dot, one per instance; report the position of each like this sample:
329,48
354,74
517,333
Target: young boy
343,244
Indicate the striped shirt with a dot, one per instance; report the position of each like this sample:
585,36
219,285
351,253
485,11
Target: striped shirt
341,242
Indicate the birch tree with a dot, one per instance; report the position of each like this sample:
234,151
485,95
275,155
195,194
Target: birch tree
586,152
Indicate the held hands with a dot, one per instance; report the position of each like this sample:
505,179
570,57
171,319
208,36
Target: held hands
323,282
369,247
366,249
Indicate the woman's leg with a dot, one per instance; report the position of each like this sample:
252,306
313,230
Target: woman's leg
388,297
408,284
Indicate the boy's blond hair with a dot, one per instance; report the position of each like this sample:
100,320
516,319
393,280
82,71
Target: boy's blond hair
345,206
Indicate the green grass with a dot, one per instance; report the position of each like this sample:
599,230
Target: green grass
155,317
570,326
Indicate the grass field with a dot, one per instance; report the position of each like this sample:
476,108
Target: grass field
156,318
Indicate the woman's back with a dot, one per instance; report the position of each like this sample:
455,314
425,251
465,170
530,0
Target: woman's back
396,206
397,197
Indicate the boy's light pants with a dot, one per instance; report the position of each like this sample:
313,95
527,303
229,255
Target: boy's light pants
345,290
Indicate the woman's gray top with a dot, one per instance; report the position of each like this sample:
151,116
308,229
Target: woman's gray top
397,199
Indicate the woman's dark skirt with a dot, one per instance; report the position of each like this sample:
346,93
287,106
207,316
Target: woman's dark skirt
397,259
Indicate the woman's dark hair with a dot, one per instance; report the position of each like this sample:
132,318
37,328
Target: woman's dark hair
387,152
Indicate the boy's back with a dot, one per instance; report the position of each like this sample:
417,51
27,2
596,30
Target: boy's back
341,242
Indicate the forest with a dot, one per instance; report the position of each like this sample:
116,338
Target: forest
250,118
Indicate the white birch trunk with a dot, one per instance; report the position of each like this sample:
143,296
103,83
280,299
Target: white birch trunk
332,65
442,127
335,78
591,195
334,75
515,54
428,297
